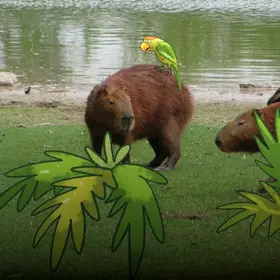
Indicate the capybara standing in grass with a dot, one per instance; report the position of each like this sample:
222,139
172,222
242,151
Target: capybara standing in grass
139,102
239,134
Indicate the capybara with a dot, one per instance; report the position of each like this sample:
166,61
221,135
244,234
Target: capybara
139,102
238,135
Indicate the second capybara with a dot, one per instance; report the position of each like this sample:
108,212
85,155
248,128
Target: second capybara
239,134
140,102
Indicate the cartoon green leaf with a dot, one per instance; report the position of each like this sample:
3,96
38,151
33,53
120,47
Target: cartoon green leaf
268,138
70,213
109,162
270,149
137,201
262,209
40,177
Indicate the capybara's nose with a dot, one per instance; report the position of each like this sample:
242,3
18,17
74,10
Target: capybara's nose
127,121
127,118
218,141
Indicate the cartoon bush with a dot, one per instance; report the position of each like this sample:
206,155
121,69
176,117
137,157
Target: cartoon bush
261,208
77,184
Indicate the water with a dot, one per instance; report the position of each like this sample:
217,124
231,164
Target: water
76,44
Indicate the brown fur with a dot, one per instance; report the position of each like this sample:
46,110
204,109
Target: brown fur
159,109
238,135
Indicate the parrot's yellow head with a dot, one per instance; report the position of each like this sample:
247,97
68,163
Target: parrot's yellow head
149,43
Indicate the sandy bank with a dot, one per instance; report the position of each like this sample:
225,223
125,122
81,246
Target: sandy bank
55,95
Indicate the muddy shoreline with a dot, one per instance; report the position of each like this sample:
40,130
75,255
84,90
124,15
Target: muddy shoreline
64,106
52,96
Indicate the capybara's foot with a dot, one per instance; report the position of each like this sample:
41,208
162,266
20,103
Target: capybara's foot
151,164
163,168
261,189
126,159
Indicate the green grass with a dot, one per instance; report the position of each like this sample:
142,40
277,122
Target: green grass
204,179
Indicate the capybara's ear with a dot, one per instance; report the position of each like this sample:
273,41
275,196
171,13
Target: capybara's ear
124,88
99,89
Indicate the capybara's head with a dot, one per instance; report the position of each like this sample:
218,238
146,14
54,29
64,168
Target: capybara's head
239,135
112,107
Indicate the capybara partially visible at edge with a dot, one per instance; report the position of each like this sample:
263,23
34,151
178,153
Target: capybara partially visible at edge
239,134
139,102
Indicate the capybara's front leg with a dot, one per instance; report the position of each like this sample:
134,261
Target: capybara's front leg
161,154
268,180
97,143
171,140
126,159
127,140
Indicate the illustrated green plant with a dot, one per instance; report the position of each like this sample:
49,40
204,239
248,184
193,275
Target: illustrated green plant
261,208
77,184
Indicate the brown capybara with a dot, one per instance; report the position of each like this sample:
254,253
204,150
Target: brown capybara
139,102
239,134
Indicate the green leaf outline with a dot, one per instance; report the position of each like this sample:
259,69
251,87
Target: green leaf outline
50,153
70,229
122,151
123,210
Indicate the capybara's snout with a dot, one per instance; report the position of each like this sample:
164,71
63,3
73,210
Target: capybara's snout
218,141
127,121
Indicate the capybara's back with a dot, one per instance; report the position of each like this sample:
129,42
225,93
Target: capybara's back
140,102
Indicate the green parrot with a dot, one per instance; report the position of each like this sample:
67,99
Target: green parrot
164,54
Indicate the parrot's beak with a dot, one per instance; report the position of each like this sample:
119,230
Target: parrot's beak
144,47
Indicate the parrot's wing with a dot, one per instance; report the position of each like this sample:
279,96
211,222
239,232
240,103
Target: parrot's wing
165,50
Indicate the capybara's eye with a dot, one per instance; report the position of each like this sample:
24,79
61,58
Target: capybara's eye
241,122
111,101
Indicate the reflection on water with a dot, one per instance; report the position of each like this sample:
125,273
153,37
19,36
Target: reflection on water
78,43
265,6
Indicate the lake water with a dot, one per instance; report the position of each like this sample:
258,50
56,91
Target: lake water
75,44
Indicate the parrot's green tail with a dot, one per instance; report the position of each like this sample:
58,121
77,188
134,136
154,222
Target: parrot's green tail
176,72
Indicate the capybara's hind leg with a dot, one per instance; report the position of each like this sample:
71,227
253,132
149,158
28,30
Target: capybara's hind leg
161,154
171,141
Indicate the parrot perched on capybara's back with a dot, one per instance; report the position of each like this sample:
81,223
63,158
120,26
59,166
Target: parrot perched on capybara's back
164,54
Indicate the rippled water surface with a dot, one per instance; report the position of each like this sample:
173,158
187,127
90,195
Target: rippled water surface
78,43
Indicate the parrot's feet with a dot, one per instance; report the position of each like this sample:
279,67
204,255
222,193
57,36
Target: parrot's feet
160,68
168,71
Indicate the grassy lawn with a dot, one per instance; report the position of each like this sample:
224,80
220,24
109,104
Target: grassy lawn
204,179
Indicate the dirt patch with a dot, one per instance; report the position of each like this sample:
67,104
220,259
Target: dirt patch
184,216
212,107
